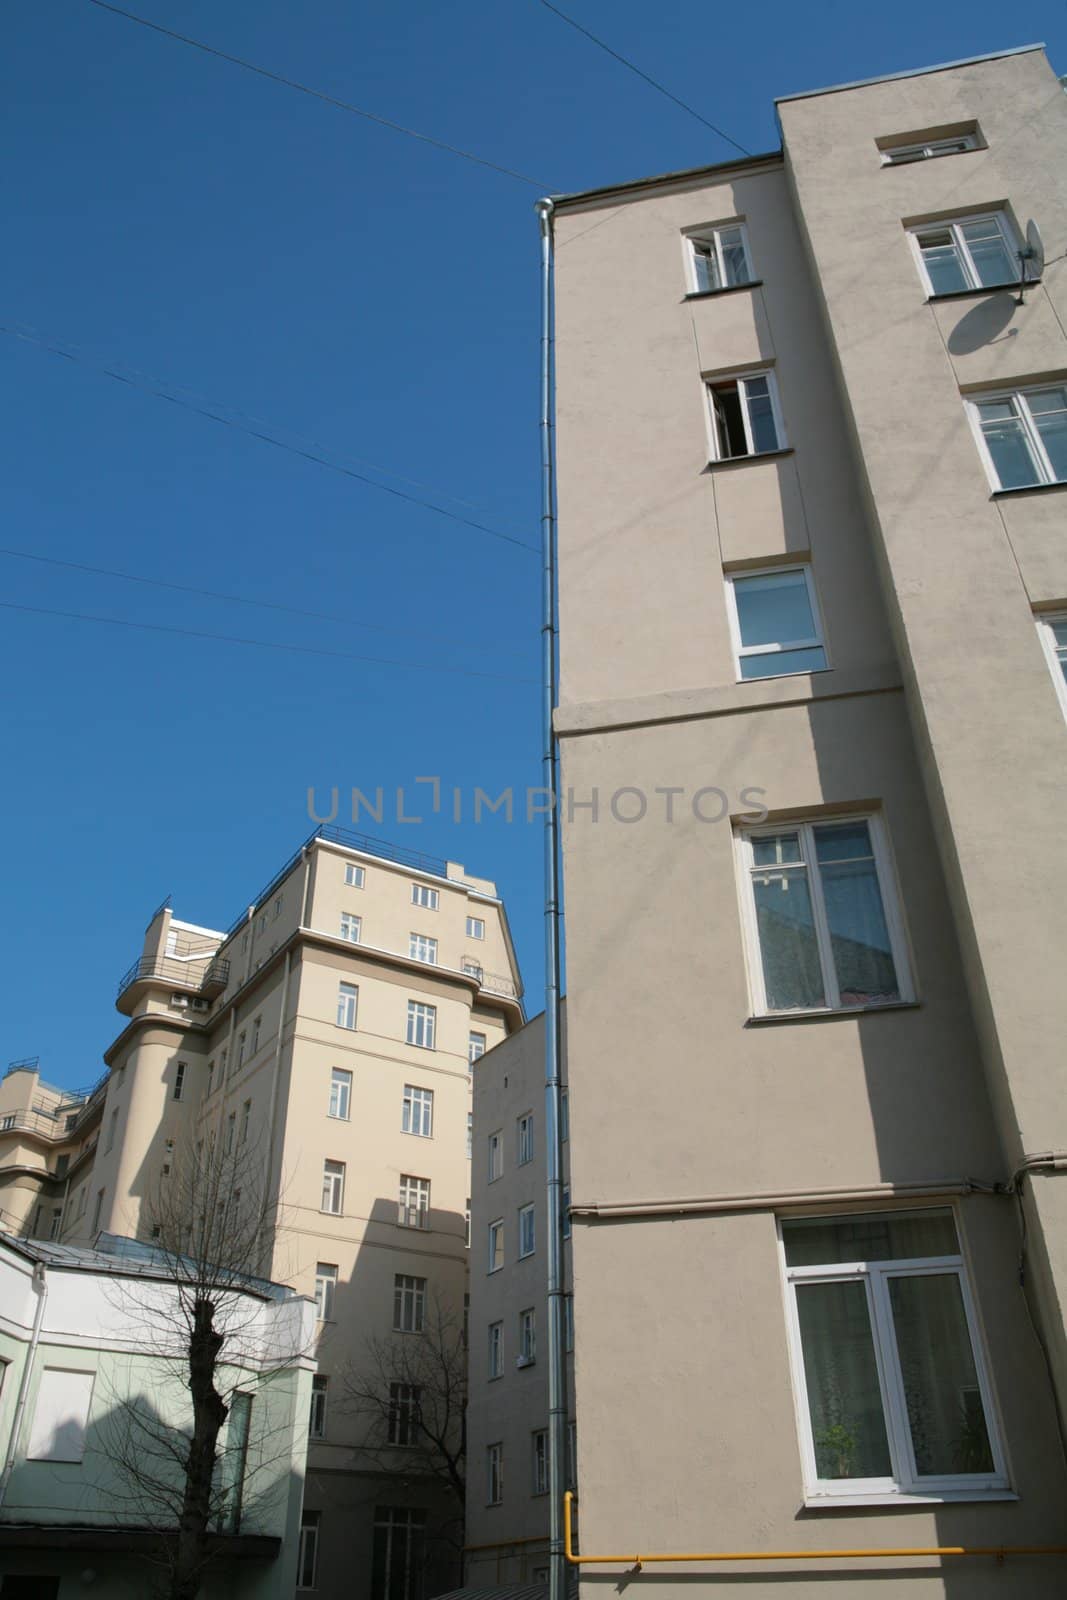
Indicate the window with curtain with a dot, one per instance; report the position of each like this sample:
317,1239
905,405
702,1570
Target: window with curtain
894,1397
824,926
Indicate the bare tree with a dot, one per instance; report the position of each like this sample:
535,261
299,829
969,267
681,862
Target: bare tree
198,1306
410,1389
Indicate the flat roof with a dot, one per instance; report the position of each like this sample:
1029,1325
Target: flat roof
915,72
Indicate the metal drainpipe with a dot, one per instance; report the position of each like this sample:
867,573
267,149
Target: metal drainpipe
557,1394
40,1289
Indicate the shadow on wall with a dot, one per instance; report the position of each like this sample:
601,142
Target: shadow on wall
379,1507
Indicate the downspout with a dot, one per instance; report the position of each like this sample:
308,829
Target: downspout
40,1289
557,1396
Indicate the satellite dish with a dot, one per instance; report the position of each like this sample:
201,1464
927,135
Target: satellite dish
1035,249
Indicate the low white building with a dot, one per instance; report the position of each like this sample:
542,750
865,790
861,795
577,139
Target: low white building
92,1398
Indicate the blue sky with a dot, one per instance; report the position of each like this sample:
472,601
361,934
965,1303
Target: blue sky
173,218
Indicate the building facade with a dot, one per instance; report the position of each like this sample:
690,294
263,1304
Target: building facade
329,1034
47,1140
813,568
75,1511
507,1418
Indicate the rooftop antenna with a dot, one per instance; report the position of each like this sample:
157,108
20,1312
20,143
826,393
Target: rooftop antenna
1031,259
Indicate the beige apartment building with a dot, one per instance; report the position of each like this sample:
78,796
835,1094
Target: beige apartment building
507,1417
47,1140
330,1032
813,580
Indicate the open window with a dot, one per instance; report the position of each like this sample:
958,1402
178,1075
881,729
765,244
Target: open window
719,259
745,416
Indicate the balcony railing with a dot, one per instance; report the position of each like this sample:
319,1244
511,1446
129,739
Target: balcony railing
207,982
61,1122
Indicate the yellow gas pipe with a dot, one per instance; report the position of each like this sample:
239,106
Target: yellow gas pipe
636,1562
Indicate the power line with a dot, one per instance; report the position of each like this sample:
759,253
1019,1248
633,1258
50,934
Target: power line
633,68
317,94
262,644
314,455
218,594
26,330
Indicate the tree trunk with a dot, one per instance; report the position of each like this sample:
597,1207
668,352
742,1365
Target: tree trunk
209,1414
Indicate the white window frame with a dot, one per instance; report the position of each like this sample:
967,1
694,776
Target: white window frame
524,1135
711,235
416,1117
1034,442
309,1543
495,1350
325,1289
425,896
413,1205
495,1147
743,651
246,1117
422,1018
347,1006
320,1386
741,379
906,1486
351,927
355,875
891,907
496,1238
475,927
401,1421
421,947
955,226
409,1303
476,1047
494,1474
1045,621
340,1094
527,1336
527,1231
901,155
333,1188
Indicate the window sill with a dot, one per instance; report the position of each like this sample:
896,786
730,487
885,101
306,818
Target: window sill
747,461
846,1502
990,288
730,288
1029,488
775,1018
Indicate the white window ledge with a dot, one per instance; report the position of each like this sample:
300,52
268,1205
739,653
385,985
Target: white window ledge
838,1502
823,1014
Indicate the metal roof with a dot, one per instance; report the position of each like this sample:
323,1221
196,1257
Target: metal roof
130,1258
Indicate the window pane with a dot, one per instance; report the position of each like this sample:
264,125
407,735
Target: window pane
841,1375
993,261
773,608
760,414
776,848
1006,441
707,267
792,974
945,1415
733,256
942,262
779,663
873,1236
859,937
1049,409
